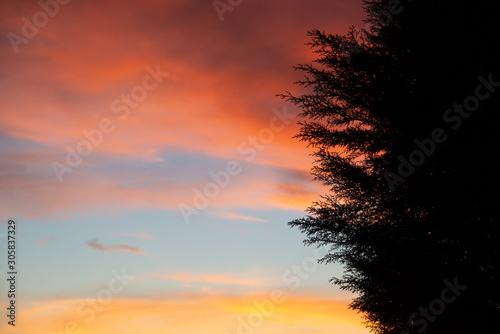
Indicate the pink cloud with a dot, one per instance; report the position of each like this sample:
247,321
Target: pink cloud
220,92
233,215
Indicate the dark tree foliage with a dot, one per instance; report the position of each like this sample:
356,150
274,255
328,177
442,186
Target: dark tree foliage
401,233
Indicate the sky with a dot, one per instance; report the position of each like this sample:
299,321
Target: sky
150,168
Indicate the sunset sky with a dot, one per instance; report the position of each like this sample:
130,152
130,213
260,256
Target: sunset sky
151,168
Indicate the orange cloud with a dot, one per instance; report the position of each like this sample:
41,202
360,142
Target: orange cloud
297,196
188,314
117,248
185,111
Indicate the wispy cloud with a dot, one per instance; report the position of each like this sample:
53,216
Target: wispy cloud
228,279
233,215
94,244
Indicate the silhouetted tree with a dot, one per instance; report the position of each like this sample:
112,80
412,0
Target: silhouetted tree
413,175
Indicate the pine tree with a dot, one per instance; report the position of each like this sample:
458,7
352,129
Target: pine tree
407,147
